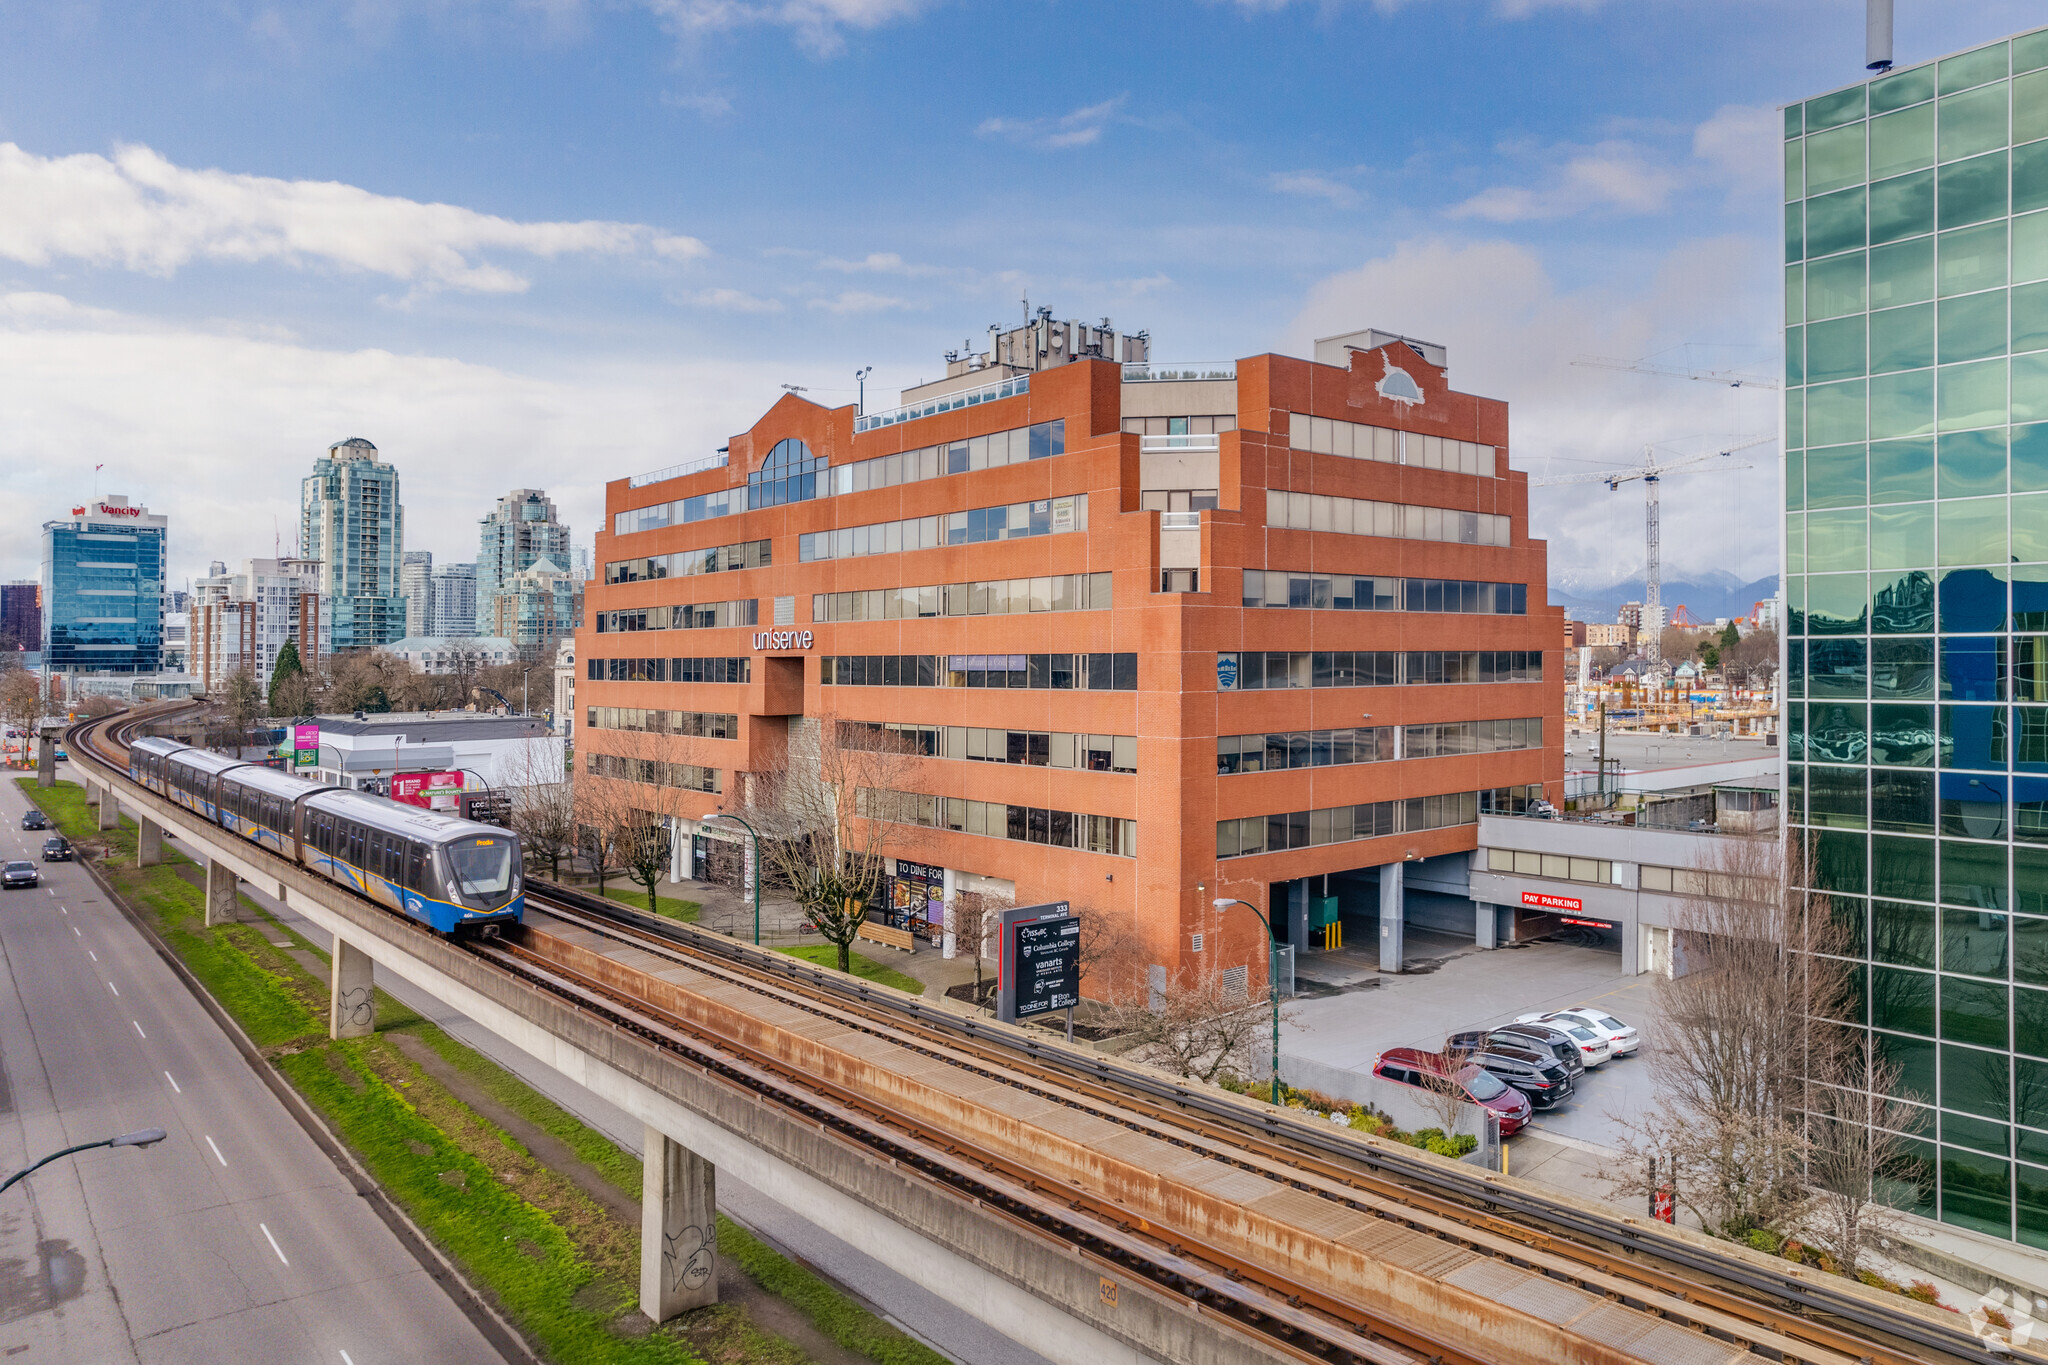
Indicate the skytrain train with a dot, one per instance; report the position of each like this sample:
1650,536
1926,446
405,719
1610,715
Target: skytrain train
454,875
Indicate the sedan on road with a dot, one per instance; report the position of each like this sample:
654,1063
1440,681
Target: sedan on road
1622,1039
34,819
19,874
1593,1049
56,850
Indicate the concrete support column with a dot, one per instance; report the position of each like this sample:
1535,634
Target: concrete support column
949,948
149,841
1297,917
1393,915
221,905
678,1229
46,761
92,794
352,1006
1485,924
110,810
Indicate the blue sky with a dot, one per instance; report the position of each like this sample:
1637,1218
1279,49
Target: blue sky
555,242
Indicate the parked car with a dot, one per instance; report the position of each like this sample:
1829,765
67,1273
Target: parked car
34,819
56,850
1412,1066
19,874
1593,1049
60,755
1541,1037
1538,1075
1622,1039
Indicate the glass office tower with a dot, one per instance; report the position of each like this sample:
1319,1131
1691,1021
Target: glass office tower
1916,563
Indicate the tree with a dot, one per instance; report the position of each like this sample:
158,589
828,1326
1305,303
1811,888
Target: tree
543,803
1753,659
1731,636
973,920
1196,1025
605,817
287,667
21,699
295,695
241,702
92,708
644,847
1854,1150
1442,1096
836,805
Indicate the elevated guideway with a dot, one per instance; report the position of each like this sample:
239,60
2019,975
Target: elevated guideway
1089,1209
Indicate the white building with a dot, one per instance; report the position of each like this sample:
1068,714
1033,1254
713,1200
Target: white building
488,750
450,653
416,578
454,597
239,621
565,687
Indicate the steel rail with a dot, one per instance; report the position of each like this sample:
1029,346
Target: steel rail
1274,1136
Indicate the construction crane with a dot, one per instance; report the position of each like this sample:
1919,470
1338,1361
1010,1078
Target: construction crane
1734,379
1652,472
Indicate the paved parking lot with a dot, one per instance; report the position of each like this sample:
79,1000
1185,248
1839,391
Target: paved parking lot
1346,1017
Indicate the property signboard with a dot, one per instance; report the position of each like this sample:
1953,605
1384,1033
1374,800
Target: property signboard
305,746
434,791
1039,967
487,808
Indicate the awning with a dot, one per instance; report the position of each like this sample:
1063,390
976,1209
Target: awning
413,758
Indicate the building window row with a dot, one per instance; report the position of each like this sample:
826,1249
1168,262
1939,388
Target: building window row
1054,672
1026,824
681,512
1693,881
1252,671
1393,520
1039,441
993,597
1346,592
655,773
727,670
698,724
1442,739
1368,820
1028,748
1211,424
1595,871
747,554
1356,441
1017,521
1303,749
745,611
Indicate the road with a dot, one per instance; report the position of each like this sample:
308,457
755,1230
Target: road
236,1238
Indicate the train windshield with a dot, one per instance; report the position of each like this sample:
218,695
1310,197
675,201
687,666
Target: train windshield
483,867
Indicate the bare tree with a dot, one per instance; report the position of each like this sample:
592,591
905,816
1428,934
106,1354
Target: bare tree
973,920
543,803
1198,1025
241,702
644,848
1442,1095
830,812
1855,1148
1751,660
92,708
605,819
296,694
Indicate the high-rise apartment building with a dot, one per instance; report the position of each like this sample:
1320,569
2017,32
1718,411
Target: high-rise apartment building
520,531
1916,562
21,616
536,607
239,621
1150,635
350,522
454,590
416,577
103,589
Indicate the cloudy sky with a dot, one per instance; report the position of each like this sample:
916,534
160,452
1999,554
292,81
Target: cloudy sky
550,242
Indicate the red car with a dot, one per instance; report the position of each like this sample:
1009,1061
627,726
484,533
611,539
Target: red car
1411,1066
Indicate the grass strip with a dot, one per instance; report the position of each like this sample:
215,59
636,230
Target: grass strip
668,907
867,969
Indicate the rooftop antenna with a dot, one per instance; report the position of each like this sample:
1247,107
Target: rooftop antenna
1027,308
1877,35
96,481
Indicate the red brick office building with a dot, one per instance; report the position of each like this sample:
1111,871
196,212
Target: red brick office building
1273,630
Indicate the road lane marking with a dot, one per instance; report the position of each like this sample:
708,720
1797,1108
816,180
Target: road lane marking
90,953
345,1359
216,1149
138,1029
174,1083
273,1242
74,929
110,985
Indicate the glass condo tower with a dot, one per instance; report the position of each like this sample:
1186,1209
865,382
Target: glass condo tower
1916,578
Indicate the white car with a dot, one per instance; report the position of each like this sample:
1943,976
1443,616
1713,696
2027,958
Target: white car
1621,1039
1593,1047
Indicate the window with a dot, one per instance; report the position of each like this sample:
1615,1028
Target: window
1345,592
1394,520
1058,672
1016,521
1029,824
1356,441
789,474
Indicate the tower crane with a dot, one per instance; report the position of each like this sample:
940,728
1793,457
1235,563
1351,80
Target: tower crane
1734,379
1652,472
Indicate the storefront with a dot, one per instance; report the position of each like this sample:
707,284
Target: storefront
917,899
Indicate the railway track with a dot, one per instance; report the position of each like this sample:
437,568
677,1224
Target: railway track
1638,1292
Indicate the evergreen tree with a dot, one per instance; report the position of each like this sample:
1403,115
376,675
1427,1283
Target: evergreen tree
287,665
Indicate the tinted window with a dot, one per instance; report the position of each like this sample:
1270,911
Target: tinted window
1485,1087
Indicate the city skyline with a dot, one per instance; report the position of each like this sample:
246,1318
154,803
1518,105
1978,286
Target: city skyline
510,287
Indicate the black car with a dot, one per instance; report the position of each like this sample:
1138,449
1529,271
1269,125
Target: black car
1534,1037
1539,1075
19,874
34,819
56,850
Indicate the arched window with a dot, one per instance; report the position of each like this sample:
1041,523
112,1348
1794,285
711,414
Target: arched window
789,474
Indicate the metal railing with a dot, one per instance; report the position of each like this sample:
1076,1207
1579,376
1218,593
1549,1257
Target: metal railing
960,398
1150,373
1206,441
676,471
1180,521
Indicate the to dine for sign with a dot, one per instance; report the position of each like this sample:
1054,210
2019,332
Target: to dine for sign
1543,902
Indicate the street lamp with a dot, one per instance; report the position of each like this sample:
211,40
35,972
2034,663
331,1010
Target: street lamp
144,1138
721,815
524,673
1272,979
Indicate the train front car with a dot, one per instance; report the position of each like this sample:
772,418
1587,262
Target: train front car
453,875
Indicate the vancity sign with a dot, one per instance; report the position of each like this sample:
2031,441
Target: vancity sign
101,509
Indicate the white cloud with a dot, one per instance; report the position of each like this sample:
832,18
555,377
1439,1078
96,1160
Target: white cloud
878,263
1314,185
708,103
1613,176
860,301
820,25
1079,129
1742,143
733,301
216,430
1512,333
139,211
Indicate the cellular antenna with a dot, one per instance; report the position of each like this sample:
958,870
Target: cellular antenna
1877,35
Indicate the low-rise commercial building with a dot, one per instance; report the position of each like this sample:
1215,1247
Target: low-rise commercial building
441,654
487,750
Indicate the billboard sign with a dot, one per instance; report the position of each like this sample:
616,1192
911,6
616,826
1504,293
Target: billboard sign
487,808
433,791
1543,901
305,746
1039,968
